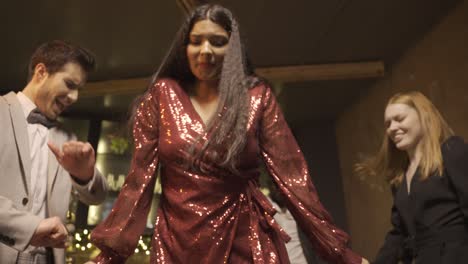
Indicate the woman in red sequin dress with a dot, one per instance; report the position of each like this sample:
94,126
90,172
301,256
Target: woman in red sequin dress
209,123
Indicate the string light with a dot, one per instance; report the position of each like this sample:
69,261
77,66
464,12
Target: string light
81,242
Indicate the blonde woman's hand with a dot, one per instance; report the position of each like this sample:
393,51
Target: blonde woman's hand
364,261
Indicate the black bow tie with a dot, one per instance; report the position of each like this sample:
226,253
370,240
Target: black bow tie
36,117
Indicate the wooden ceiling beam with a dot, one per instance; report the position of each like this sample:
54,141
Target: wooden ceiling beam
318,72
114,87
301,73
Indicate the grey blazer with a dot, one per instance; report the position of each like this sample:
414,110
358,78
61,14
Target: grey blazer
17,224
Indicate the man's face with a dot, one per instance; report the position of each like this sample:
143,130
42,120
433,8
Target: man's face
59,90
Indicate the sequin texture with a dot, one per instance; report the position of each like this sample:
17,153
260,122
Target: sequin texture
214,216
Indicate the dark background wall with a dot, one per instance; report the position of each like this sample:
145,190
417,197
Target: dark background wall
437,65
318,142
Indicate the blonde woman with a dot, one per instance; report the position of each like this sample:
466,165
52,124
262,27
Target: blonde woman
427,168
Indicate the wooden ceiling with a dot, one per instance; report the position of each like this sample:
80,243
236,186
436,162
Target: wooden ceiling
322,54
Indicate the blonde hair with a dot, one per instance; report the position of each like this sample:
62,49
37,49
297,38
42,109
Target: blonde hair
391,162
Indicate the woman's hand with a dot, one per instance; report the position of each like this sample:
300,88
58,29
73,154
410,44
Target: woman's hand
364,261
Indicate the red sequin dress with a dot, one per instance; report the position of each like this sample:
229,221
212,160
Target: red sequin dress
214,217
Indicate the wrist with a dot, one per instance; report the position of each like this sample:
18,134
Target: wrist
83,179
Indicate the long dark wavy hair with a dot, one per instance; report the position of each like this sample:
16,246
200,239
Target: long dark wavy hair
237,77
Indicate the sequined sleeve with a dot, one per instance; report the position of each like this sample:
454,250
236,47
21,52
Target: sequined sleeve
118,234
286,164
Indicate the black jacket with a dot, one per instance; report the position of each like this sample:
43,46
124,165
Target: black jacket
430,223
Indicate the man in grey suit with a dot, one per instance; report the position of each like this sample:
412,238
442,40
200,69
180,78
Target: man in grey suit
39,163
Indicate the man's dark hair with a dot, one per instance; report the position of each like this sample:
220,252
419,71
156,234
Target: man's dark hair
55,54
